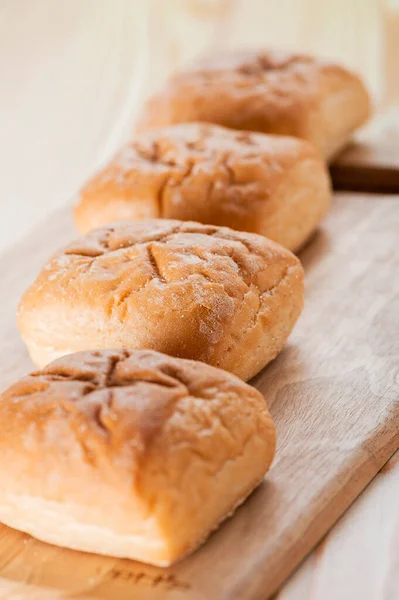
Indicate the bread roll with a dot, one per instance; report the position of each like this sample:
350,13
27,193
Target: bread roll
266,91
194,291
129,453
273,185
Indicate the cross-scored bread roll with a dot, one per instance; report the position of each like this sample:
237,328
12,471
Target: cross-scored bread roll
266,91
273,185
207,293
130,454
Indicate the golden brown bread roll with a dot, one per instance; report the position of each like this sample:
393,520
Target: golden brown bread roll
273,185
266,91
207,293
131,454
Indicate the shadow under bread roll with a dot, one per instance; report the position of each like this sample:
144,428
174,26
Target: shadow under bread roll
267,91
276,186
131,454
224,297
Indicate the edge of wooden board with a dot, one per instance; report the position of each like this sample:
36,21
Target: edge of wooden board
371,162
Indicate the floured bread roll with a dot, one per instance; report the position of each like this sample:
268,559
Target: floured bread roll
207,293
273,185
266,91
130,454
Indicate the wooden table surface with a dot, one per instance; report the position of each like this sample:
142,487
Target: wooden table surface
67,98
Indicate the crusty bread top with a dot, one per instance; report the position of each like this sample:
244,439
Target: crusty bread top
195,151
259,90
111,418
194,169
108,398
130,255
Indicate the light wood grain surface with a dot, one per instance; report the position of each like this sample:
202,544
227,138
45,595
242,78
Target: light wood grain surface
333,393
71,79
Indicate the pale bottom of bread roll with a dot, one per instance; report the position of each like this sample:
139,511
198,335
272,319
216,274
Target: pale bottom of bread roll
300,203
341,113
43,355
160,544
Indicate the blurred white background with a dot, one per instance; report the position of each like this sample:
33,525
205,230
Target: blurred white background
72,74
70,77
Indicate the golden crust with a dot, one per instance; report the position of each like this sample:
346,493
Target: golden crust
272,185
265,91
207,293
132,454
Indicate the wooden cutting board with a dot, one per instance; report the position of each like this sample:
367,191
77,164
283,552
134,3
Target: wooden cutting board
371,162
333,392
